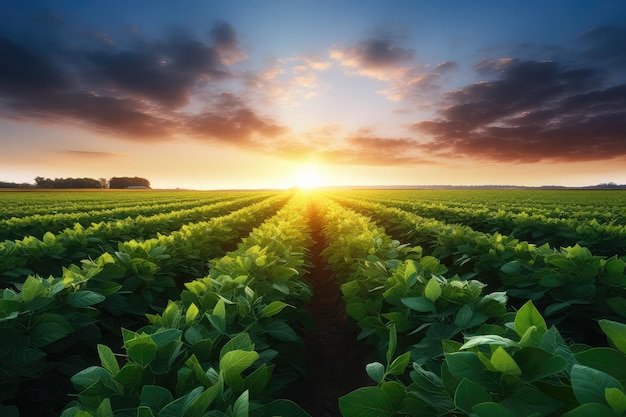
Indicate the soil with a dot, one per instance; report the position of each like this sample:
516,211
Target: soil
335,359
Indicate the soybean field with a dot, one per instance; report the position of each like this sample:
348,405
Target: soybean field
353,303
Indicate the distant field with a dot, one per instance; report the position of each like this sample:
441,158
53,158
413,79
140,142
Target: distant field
352,303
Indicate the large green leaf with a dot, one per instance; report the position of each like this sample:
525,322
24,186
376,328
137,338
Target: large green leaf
420,304
108,360
589,384
155,397
504,363
281,331
236,361
84,298
274,308
590,410
399,364
616,332
366,402
528,316
468,394
141,350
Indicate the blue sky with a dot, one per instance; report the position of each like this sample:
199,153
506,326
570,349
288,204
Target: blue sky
248,94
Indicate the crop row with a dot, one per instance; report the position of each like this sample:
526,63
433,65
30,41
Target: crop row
445,348
604,206
49,324
39,224
22,204
225,349
602,238
31,255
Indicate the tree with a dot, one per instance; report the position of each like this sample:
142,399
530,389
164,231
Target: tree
126,182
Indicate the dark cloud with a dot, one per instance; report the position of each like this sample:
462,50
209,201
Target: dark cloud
374,54
224,36
233,123
135,89
606,43
26,72
164,72
531,111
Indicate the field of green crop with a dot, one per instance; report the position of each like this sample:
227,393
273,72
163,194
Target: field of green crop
348,303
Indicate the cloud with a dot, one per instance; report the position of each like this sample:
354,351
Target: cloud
381,59
88,154
290,80
531,111
230,121
374,57
606,44
327,144
138,89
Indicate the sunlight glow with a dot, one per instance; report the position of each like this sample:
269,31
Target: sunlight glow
308,177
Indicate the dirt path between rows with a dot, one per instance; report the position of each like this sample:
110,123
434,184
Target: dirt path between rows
335,359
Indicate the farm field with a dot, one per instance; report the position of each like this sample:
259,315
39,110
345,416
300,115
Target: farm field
313,303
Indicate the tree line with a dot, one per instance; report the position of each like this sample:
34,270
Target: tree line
113,183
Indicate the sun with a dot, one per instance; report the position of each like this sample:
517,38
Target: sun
307,177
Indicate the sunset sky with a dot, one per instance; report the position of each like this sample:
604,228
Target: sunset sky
211,94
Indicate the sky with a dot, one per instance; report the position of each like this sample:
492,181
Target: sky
209,94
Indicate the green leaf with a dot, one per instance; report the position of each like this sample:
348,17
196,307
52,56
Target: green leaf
90,376
468,394
393,341
242,405
528,316
376,371
141,350
366,402
155,397
590,410
420,304
241,341
432,290
201,403
32,288
529,401
143,411
46,333
616,399
104,409
616,332
84,298
605,359
490,409
282,407
281,331
490,339
589,384
504,363
235,362
257,380
192,313
274,308
107,358
220,310
463,316
399,364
